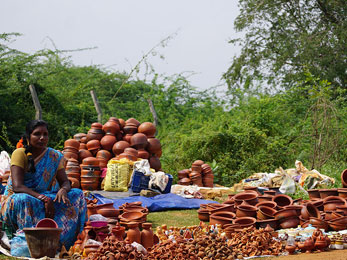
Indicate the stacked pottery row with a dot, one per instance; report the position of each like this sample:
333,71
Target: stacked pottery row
199,174
248,208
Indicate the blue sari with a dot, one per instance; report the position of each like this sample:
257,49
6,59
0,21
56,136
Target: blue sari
20,210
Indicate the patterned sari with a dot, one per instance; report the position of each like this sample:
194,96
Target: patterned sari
20,210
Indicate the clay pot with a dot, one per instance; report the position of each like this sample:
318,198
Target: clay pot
198,163
90,161
196,168
88,179
147,235
318,223
111,127
107,142
132,121
118,232
119,147
82,154
130,129
78,136
131,151
285,213
331,205
223,217
246,211
342,193
318,204
270,204
89,185
90,249
245,221
132,215
265,198
133,234
148,129
314,193
108,213
222,208
249,198
185,181
204,215
126,156
96,125
72,143
83,146
309,210
153,145
263,223
75,175
320,243
93,145
342,208
138,141
282,200
327,192
337,226
265,213
270,192
309,244
344,178
297,208
143,154
154,162
70,155
290,222
183,174
94,134
104,154
290,249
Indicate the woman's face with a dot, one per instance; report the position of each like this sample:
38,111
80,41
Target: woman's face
39,137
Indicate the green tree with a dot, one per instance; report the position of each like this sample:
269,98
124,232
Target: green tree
282,37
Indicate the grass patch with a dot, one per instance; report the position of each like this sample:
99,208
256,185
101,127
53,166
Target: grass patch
174,218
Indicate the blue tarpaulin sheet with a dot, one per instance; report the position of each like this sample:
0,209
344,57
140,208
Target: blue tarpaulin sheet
156,203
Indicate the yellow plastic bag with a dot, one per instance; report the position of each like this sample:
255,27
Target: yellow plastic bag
118,175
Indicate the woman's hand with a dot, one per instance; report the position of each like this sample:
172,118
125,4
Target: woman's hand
62,197
49,208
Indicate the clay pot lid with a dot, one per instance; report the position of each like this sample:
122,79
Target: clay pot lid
198,163
96,125
92,161
93,145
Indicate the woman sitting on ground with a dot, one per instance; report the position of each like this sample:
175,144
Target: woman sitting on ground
38,187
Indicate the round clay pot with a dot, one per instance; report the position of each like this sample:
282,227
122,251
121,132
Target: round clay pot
82,154
196,168
183,174
126,156
138,141
72,143
104,154
155,164
111,127
270,204
90,249
143,154
131,151
265,213
314,193
96,125
332,204
245,221
222,217
94,134
204,215
107,142
69,155
309,210
79,136
86,179
282,200
342,208
263,223
130,129
83,146
285,213
185,181
290,222
90,161
249,198
344,178
132,121
327,192
318,204
93,145
265,198
153,145
119,147
148,129
342,193
72,163
297,208
108,213
246,211
318,223
222,208
75,175
89,185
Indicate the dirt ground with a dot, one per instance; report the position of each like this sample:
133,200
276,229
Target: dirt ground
329,255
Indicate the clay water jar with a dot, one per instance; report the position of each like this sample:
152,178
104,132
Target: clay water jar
147,235
282,200
344,178
107,142
246,211
249,198
133,234
72,143
148,129
245,221
270,204
138,141
327,192
309,210
222,217
153,145
264,213
111,127
119,147
314,194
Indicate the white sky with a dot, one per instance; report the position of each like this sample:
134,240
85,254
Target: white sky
123,31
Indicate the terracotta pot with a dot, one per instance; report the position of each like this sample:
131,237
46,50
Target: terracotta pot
206,168
82,154
196,168
342,208
75,175
132,215
263,223
249,198
89,185
327,192
314,193
132,121
223,217
153,145
72,143
222,208
119,147
143,154
147,235
108,213
318,204
107,142
118,232
246,211
297,208
265,198
183,174
154,162
265,213
270,204
282,200
342,193
245,221
285,213
133,234
198,163
90,249
204,215
185,181
90,161
93,145
332,204
270,192
148,129
131,151
83,146
96,125
127,156
104,154
344,178
70,155
130,129
337,226
138,141
88,179
318,223
290,222
78,136
309,210
94,135
111,127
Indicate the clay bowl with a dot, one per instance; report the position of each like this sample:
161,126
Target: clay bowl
119,147
285,213
223,217
318,223
270,204
264,213
249,198
344,178
282,200
246,211
290,222
131,215
204,215
263,223
108,213
245,221
147,128
309,210
314,193
327,192
298,208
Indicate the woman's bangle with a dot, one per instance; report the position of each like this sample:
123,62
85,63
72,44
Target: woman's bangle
43,198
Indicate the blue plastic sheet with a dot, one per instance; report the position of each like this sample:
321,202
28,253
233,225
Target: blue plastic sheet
156,203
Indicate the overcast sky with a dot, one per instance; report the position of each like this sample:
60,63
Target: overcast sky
123,31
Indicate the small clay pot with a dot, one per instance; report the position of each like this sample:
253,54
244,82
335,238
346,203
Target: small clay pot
245,221
327,192
90,161
119,147
223,217
285,213
154,162
142,154
107,142
111,127
265,198
78,136
183,174
185,181
83,153
246,211
153,145
314,193
297,208
204,215
108,213
342,193
282,200
290,222
270,204
72,143
93,145
138,141
148,129
265,213
104,154
249,198
89,185
309,210
74,182
318,223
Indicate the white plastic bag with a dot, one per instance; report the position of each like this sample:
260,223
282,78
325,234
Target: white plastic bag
5,162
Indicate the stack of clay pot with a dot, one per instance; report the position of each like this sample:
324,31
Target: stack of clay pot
249,208
116,139
90,174
200,174
73,172
132,213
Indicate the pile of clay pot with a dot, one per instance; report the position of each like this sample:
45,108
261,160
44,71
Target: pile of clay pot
199,174
87,154
250,208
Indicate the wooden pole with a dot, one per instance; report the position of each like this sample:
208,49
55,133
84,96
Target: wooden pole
97,106
38,114
154,113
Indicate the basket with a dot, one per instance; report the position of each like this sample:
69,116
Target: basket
140,182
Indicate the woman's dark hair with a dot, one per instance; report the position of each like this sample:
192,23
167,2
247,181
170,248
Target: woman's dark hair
30,127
